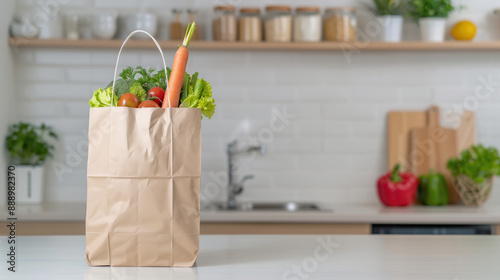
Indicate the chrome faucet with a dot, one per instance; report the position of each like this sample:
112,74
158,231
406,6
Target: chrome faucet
233,188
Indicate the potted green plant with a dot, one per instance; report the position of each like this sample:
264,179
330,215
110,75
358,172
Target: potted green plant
390,15
474,171
431,16
29,146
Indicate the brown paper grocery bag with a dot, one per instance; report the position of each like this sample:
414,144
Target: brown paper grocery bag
143,186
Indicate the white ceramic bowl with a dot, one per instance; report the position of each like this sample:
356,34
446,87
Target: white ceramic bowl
104,25
143,21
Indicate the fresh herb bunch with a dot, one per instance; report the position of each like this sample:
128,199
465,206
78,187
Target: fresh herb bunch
430,8
29,144
478,163
388,7
147,79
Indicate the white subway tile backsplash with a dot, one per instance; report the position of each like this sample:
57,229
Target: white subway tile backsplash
337,105
24,56
213,145
273,161
336,128
76,109
415,94
40,109
297,146
308,128
297,76
371,94
337,94
259,60
308,179
63,91
62,57
344,112
214,162
40,74
65,126
248,77
453,94
109,57
324,162
230,93
353,146
375,129
218,60
267,94
89,75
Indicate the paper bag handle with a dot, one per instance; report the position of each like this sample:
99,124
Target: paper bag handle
162,57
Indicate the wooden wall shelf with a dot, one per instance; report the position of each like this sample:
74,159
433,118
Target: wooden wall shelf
210,45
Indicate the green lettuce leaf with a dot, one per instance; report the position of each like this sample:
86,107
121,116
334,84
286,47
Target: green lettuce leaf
200,97
102,98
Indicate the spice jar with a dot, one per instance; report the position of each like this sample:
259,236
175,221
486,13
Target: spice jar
176,26
225,24
250,25
307,24
278,26
340,24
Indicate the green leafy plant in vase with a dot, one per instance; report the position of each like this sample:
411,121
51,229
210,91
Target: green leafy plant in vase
390,15
474,171
431,16
29,146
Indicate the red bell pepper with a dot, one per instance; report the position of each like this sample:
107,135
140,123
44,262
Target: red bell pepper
397,189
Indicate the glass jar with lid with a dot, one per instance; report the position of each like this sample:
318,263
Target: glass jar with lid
176,26
225,23
307,24
278,24
340,24
250,25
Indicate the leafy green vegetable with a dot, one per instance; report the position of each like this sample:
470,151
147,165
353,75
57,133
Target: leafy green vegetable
146,77
195,93
430,8
29,144
388,7
478,162
200,97
121,86
102,98
138,90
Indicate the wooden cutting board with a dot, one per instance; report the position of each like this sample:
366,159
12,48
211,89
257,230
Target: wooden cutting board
431,147
466,133
398,133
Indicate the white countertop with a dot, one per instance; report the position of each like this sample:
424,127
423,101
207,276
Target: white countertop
372,214
278,257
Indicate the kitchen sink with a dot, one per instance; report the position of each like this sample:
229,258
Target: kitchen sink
269,206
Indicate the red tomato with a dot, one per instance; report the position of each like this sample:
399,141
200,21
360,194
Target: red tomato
157,92
148,104
129,100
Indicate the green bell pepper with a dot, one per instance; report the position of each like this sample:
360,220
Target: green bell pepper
432,189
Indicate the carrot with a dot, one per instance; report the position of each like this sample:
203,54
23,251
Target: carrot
178,69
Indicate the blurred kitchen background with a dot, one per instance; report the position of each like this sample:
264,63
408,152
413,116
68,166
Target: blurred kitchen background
330,149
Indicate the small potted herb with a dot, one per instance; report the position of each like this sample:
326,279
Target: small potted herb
474,171
390,15
431,16
29,146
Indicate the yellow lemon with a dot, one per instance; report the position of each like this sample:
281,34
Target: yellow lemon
464,31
